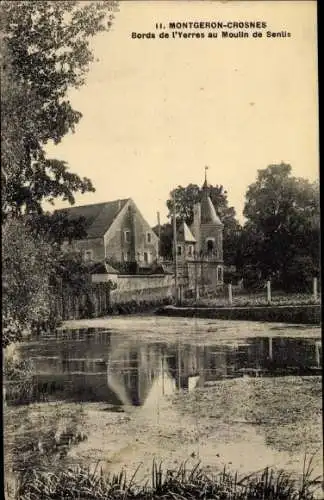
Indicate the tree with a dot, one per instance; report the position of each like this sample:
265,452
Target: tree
56,227
46,52
282,231
185,199
165,231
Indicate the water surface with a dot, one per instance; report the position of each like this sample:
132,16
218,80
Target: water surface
122,362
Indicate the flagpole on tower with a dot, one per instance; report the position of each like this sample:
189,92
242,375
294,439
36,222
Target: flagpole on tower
206,168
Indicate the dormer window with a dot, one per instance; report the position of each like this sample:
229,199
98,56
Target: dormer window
127,236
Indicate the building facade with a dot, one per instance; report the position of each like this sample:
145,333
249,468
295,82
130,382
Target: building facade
115,231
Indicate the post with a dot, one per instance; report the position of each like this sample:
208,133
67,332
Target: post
196,279
270,349
159,234
175,257
269,292
230,296
180,294
315,288
179,366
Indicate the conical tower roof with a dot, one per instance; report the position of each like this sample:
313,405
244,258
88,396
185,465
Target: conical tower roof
208,212
184,234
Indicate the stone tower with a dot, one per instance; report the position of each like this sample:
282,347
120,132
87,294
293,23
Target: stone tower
207,229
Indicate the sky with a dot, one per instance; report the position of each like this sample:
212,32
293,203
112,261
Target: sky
157,111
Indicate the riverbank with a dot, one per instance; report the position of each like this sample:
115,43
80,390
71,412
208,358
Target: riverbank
244,424
295,314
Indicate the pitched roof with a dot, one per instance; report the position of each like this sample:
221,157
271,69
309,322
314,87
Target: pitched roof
184,234
98,217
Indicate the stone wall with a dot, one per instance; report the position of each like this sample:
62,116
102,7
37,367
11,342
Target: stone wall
142,288
207,274
303,314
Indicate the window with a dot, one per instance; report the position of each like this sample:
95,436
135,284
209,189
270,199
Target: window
148,237
219,274
210,245
128,256
127,236
88,254
179,250
146,257
190,250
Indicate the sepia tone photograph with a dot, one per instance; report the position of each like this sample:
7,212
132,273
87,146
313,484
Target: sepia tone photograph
161,277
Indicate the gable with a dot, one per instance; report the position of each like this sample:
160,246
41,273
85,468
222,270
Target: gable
140,219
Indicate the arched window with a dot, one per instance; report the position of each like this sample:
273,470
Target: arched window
219,274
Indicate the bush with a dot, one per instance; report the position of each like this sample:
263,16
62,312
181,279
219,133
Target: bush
26,291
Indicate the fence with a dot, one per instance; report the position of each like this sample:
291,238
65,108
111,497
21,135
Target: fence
229,295
101,299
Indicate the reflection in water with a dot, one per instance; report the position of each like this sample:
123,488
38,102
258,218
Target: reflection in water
100,365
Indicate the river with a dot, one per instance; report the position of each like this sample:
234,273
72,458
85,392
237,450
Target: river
241,394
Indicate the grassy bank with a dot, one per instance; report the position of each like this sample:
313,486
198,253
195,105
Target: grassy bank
235,415
76,483
38,437
299,314
245,298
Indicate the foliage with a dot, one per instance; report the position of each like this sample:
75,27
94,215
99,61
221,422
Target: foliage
80,482
71,270
26,266
166,237
186,198
34,272
39,436
46,52
57,228
281,236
